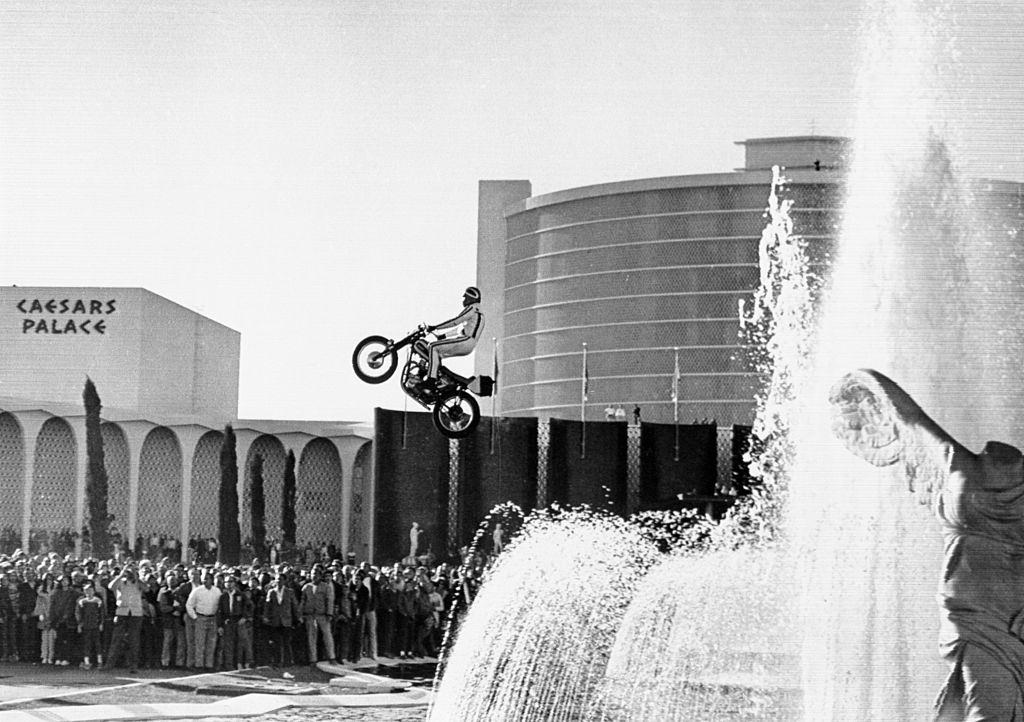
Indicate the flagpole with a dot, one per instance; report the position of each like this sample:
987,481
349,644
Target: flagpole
405,415
583,405
405,419
494,394
675,400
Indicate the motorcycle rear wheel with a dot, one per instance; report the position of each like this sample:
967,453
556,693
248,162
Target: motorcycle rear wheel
371,362
456,414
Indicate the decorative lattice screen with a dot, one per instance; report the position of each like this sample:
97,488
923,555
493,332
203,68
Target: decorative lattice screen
543,458
160,484
54,478
359,516
273,453
632,468
724,483
318,496
116,460
205,502
12,473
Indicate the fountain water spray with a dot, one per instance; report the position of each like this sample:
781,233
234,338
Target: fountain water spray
599,631
906,297
535,643
707,637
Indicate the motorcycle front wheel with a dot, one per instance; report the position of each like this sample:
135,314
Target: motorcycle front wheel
372,360
457,414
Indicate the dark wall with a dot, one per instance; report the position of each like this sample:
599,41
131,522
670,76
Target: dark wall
662,477
498,472
411,485
575,480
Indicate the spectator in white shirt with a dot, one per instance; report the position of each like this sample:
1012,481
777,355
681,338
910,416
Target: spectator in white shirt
201,606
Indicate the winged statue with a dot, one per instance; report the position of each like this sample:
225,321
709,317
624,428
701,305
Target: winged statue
978,500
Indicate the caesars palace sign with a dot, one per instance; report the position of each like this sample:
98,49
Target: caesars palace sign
60,316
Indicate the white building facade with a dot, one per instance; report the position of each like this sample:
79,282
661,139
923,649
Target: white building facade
168,381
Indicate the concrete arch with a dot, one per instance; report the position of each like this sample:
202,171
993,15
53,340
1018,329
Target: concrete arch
319,482
54,478
160,478
360,511
12,475
117,460
205,503
274,454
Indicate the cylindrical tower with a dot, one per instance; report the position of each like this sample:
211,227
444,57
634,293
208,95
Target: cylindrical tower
636,269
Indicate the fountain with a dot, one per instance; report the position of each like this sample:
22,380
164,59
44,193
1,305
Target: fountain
916,294
534,646
835,618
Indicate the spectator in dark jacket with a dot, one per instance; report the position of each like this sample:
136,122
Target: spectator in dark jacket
367,599
280,615
8,625
89,615
62,619
236,611
171,607
342,627
258,594
152,628
385,616
28,632
405,604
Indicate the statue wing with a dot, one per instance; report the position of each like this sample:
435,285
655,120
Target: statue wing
879,422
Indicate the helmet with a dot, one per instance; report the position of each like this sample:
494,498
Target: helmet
472,295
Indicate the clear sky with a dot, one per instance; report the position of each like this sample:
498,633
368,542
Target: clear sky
306,172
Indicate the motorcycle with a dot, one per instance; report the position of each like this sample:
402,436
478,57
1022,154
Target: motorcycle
450,399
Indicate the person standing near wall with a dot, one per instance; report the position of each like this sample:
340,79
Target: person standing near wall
235,625
201,606
367,597
127,591
28,635
318,612
181,594
89,615
44,593
280,611
172,609
62,618
342,615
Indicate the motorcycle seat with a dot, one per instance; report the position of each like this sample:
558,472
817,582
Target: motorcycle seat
452,376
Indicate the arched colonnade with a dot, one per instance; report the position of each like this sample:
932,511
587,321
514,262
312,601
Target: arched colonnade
164,478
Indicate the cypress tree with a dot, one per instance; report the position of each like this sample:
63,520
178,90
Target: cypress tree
288,501
96,481
229,548
258,509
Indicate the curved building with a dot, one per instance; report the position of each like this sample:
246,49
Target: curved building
637,273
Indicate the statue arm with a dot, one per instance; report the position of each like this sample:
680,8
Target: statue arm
879,422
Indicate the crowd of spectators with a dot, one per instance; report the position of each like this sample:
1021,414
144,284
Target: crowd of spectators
197,550
171,614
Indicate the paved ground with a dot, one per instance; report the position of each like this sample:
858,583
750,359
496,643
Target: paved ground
29,687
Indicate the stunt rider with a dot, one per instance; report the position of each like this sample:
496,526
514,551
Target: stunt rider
457,336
